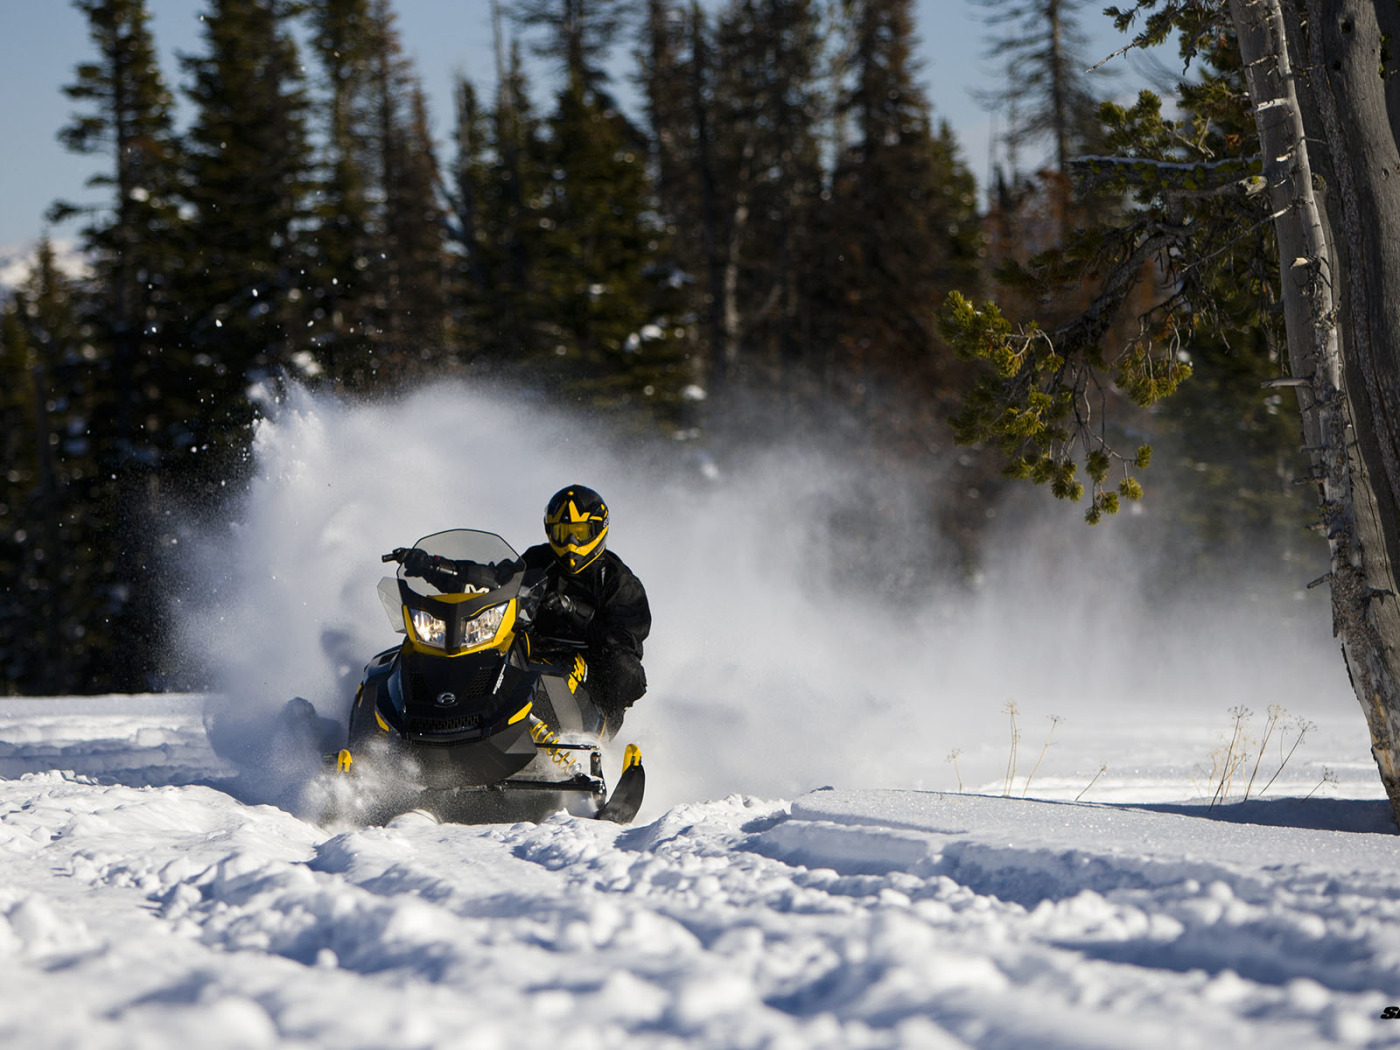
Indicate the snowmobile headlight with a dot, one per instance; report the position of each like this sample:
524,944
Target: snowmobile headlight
430,629
482,627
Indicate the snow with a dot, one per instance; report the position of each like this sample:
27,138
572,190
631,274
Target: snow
836,850
147,902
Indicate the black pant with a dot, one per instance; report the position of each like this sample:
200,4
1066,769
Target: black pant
616,680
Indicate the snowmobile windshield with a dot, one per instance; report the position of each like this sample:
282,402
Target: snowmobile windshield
484,549
483,564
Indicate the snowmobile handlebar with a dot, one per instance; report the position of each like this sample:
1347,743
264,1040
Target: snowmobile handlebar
395,555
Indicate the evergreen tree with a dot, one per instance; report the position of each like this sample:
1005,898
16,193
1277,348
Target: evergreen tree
591,262
668,76
248,175
1185,273
472,275
664,77
132,392
1047,95
68,620
903,223
409,263
765,138
578,37
591,267
1237,445
343,37
131,242
500,185
706,214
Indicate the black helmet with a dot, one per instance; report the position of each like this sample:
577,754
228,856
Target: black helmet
576,523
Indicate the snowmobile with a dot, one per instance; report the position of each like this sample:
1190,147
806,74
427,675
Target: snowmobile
474,715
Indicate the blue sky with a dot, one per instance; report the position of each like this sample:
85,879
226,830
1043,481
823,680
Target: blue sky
41,41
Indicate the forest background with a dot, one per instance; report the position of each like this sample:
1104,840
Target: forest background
758,242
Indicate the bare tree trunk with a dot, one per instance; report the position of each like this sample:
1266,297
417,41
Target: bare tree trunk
1349,438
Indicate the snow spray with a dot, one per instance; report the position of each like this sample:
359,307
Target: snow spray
769,674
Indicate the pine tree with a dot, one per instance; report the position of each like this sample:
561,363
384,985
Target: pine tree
128,392
664,76
591,263
64,543
590,269
1133,296
500,179
409,264
130,242
669,58
903,225
248,177
765,141
1040,49
473,275
706,211
28,492
343,37
1238,445
578,37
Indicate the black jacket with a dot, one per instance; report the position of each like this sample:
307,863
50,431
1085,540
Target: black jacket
609,604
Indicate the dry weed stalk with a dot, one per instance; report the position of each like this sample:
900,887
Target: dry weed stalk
1328,777
1010,708
1231,762
1103,766
1054,721
953,758
1275,713
1303,726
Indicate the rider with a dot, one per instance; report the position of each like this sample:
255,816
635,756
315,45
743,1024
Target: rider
587,594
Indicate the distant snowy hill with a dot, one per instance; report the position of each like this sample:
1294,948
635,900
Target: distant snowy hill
146,902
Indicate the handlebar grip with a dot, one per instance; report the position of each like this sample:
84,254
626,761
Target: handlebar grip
394,555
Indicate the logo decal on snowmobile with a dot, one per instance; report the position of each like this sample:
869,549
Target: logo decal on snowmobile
446,699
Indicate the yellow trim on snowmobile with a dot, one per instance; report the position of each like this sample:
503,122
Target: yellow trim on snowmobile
505,634
344,760
578,674
520,714
631,757
458,597
380,719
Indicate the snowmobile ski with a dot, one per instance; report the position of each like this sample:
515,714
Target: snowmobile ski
631,785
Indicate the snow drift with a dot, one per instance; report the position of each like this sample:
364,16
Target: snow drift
143,916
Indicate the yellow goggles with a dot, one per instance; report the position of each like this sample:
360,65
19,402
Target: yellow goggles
578,533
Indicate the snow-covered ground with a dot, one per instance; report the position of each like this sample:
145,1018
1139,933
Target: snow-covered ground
838,847
145,903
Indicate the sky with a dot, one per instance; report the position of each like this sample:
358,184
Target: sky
42,42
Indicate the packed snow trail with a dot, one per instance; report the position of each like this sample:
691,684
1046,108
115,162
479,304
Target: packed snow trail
177,915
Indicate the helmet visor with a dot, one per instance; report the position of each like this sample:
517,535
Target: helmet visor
575,533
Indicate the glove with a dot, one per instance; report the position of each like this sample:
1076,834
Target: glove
417,561
563,613
558,606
